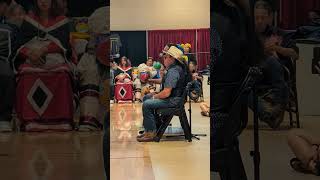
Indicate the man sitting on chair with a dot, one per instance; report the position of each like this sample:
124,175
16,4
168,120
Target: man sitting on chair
170,96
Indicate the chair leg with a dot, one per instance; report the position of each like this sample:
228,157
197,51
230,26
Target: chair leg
185,126
297,107
290,114
166,121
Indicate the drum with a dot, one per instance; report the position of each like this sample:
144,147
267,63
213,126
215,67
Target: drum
144,76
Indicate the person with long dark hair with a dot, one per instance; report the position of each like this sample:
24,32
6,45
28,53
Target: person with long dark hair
123,71
45,32
233,51
44,44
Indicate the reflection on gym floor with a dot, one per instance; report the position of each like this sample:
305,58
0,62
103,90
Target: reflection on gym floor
51,156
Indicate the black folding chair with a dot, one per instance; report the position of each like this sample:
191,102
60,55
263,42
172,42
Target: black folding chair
164,117
293,106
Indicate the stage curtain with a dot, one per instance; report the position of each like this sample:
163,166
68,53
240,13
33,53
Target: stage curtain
157,39
294,13
203,48
134,45
84,8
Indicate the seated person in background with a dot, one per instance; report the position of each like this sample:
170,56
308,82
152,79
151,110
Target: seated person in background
173,86
44,46
123,71
149,77
126,74
15,15
7,79
143,72
196,81
154,83
41,48
314,17
307,151
147,65
272,89
285,50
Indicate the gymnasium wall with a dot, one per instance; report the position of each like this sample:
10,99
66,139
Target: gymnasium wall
132,15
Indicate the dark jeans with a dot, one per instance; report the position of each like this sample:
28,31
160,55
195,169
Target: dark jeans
7,92
272,92
196,86
148,109
274,79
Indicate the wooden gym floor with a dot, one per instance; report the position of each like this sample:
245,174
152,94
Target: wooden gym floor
167,160
275,152
51,156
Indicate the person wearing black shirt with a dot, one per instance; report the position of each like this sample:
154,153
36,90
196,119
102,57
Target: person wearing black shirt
234,48
279,53
7,80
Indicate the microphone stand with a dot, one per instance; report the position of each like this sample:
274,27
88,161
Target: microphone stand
190,117
256,152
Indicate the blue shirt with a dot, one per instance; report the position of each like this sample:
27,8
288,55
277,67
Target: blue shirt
175,79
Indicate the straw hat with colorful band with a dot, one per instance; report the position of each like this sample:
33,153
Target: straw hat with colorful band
187,45
180,46
175,53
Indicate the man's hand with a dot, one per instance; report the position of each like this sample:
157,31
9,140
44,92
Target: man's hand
35,55
270,45
194,76
165,93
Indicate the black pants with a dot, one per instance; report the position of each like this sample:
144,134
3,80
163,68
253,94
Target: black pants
7,95
225,156
106,146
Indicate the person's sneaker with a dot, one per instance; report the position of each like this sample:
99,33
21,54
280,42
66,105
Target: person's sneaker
147,137
111,101
140,135
5,126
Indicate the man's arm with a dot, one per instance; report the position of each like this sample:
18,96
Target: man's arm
169,84
165,93
156,81
200,77
287,52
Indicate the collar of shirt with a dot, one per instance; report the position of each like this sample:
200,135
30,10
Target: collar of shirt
172,65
